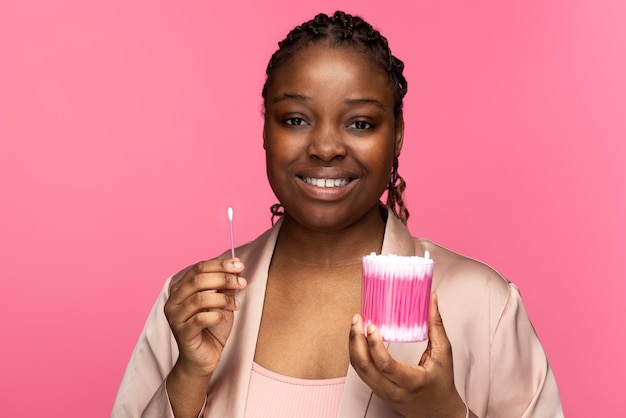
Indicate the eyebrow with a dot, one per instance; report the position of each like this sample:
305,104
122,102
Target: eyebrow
350,102
291,96
374,102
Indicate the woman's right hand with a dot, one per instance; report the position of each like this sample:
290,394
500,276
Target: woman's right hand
200,313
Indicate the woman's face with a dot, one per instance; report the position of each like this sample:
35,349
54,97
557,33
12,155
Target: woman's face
330,136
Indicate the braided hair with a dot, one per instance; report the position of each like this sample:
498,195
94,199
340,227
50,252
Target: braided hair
342,29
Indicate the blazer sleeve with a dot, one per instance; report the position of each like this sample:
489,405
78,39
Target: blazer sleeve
142,391
522,383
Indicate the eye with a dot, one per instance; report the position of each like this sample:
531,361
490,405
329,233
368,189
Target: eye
295,122
361,124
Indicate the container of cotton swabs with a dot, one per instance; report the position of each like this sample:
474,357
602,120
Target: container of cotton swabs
396,295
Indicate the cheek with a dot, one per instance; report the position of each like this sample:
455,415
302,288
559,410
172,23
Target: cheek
277,155
272,162
277,160
384,164
273,176
381,157
385,173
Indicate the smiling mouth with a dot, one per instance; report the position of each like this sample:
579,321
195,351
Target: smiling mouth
325,182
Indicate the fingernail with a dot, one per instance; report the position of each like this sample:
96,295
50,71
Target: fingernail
241,281
355,319
237,264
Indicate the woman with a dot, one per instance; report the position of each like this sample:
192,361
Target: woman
286,340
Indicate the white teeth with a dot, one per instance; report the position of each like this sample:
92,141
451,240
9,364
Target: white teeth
326,182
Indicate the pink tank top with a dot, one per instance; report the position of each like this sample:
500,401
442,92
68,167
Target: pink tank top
272,395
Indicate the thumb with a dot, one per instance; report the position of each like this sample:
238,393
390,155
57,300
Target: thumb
438,341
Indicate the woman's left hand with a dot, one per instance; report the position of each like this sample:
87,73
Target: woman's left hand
414,390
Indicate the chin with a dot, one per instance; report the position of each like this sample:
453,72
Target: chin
328,219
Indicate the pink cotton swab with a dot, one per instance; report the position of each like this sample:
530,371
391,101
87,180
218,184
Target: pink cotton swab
395,295
232,241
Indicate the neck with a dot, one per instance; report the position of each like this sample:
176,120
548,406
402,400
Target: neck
347,246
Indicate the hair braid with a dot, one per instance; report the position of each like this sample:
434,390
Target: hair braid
342,29
395,194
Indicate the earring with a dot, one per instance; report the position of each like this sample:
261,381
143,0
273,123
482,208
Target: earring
277,211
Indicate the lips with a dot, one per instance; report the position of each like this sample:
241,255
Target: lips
326,183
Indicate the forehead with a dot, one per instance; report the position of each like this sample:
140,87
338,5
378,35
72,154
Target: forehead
320,68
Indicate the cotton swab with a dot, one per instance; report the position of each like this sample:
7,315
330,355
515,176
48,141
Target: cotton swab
232,241
395,295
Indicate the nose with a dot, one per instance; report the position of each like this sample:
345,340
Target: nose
326,144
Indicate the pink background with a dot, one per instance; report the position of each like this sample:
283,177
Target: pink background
128,127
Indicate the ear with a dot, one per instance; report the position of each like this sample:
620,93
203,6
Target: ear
399,139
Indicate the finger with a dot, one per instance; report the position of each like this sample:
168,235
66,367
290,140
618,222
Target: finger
208,275
357,348
360,356
402,375
205,282
438,343
190,329
199,302
220,265
217,281
378,352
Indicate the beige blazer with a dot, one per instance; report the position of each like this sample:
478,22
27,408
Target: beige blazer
500,368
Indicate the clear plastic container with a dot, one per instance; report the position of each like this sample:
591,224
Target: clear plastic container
396,296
